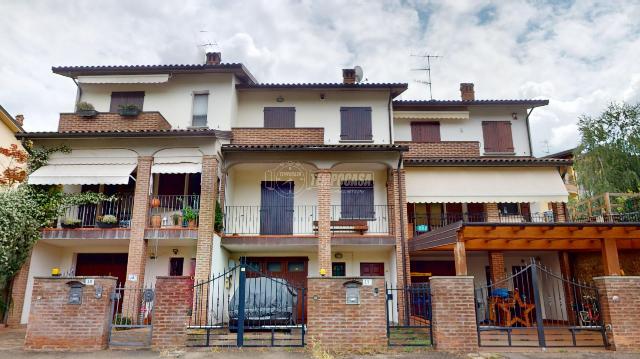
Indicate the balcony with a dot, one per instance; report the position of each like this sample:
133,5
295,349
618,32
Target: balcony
174,211
111,213
279,136
441,149
270,220
364,219
113,121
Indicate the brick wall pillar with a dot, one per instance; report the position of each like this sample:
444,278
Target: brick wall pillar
139,220
337,325
171,309
497,267
54,324
558,209
206,216
454,316
619,306
399,195
323,181
18,290
493,214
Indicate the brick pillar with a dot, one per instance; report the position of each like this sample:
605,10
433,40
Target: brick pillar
56,325
454,314
402,257
337,325
206,216
619,306
223,187
171,309
18,290
497,267
137,244
558,209
323,181
493,214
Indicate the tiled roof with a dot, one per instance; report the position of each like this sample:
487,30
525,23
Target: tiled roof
486,161
397,88
345,147
10,119
74,71
447,103
194,132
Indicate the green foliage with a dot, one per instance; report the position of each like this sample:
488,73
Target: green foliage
109,219
189,214
84,106
39,156
218,224
70,221
129,107
75,199
608,157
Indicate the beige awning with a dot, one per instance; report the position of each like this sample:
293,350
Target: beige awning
484,185
177,160
99,166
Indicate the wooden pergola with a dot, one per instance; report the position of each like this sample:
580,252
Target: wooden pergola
462,237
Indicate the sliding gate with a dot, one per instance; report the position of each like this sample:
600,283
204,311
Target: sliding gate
535,307
271,314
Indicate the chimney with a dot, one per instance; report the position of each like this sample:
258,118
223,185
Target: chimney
214,58
466,92
20,120
348,76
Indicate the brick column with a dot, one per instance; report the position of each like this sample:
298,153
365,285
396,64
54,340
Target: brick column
171,309
55,324
493,214
337,325
18,290
206,216
402,257
497,267
137,244
323,181
558,209
454,315
619,306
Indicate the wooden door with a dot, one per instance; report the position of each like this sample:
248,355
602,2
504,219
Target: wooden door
102,264
276,207
371,269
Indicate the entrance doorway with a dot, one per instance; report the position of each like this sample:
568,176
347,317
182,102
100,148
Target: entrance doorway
103,264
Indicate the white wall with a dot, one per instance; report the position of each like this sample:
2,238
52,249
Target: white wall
43,258
160,265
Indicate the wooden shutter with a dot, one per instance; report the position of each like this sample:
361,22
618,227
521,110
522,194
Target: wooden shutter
505,139
357,200
497,136
355,124
279,117
126,98
425,131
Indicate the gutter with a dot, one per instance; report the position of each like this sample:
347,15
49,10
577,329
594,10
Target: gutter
526,120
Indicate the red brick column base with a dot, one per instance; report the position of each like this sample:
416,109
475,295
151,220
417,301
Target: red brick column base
56,325
337,325
171,309
619,302
18,290
454,315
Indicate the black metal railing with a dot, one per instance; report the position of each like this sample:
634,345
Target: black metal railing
270,220
176,211
131,316
409,324
110,213
349,217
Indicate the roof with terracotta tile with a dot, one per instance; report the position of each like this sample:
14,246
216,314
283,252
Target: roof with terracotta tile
340,147
401,104
485,161
396,88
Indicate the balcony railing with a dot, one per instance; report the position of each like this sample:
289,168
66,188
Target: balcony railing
269,220
174,211
92,215
376,217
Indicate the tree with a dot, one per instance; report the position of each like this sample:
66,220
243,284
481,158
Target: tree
608,157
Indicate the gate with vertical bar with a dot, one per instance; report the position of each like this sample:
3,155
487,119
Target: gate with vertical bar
131,316
409,324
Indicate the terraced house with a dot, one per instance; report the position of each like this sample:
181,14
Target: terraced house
297,196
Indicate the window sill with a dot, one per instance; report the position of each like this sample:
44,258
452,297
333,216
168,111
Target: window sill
197,127
499,153
355,141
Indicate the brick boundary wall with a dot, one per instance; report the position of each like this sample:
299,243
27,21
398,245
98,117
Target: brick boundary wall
340,326
454,314
112,121
55,325
620,302
441,149
18,291
171,309
270,136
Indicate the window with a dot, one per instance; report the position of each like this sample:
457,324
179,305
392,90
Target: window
508,208
175,266
274,267
497,136
279,117
338,269
372,269
425,131
357,200
295,267
126,98
355,124
200,108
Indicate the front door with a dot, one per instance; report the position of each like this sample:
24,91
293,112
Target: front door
276,207
102,264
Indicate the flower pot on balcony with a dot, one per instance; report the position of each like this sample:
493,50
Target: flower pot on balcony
87,113
129,112
106,225
156,221
192,224
70,225
155,203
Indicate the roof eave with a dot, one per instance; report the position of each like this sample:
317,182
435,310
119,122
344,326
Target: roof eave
115,134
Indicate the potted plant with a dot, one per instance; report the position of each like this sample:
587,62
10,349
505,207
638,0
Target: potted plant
107,221
190,215
177,219
71,223
156,221
128,110
85,109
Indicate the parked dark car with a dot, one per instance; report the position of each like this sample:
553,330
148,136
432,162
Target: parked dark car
267,302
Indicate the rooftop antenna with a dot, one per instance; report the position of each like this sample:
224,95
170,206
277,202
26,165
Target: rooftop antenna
359,74
208,46
427,58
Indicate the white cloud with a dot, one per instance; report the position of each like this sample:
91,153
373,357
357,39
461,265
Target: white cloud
579,55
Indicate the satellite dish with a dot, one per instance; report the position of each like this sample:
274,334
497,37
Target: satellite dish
359,73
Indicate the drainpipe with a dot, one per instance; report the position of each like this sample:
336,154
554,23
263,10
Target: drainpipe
390,118
79,93
526,119
402,240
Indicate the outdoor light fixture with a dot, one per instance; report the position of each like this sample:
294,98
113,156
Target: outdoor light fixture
280,99
322,96
175,251
338,255
514,115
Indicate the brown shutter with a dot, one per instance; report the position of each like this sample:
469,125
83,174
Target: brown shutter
489,135
505,138
497,136
279,117
355,124
126,98
425,131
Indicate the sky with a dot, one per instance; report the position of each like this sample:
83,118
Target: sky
580,55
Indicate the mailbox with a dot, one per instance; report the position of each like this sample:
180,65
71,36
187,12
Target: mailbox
148,295
75,292
352,288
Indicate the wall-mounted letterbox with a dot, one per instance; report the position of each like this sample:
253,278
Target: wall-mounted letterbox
352,288
75,292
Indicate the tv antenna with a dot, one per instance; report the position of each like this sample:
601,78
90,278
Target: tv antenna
209,45
427,68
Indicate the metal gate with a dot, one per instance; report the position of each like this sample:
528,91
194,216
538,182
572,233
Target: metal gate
408,312
271,314
131,316
535,307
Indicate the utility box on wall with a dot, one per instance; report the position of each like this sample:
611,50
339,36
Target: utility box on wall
352,288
